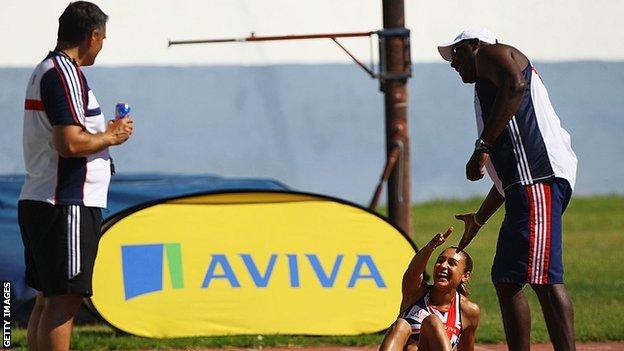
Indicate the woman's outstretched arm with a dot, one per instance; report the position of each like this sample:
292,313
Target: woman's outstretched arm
413,284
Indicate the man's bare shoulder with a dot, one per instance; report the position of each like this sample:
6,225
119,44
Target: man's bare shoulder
500,52
492,51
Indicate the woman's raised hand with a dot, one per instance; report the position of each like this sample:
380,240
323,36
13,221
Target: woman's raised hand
440,238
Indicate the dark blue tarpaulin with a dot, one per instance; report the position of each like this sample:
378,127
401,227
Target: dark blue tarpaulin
125,191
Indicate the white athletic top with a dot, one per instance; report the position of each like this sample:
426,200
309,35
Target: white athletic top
416,314
533,147
58,94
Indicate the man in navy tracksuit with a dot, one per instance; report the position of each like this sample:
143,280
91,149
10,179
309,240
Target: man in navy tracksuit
528,155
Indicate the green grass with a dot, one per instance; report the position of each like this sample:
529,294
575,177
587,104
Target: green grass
594,276
101,337
592,245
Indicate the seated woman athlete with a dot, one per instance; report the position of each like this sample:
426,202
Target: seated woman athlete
436,317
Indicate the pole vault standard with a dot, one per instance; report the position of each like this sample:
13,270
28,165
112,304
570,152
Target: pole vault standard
253,37
397,70
393,72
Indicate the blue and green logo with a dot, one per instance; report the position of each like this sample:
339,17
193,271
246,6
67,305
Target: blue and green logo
143,268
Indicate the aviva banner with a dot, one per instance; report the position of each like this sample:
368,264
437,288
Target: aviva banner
251,262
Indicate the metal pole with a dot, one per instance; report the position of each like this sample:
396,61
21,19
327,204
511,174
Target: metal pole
395,91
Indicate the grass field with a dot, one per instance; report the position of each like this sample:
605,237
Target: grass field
594,275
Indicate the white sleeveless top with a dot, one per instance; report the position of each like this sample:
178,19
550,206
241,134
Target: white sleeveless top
416,314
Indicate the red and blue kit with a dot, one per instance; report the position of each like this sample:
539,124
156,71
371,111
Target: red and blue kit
416,314
58,95
533,166
59,211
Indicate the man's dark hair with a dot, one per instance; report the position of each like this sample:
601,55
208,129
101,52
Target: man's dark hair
78,20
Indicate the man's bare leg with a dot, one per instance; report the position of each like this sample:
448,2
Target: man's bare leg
33,322
558,314
56,322
516,316
396,336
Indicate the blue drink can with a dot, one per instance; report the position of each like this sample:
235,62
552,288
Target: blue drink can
121,110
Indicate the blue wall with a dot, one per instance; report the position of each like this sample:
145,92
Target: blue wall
320,128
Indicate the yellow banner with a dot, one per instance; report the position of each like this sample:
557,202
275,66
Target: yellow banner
250,263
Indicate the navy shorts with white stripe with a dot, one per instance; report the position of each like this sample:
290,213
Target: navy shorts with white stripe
529,242
60,245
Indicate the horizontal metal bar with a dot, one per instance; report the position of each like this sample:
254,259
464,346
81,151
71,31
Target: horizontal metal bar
253,37
182,42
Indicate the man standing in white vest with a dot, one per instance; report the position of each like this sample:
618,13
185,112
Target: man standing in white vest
529,157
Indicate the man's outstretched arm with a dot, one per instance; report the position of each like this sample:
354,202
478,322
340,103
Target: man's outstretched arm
474,221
